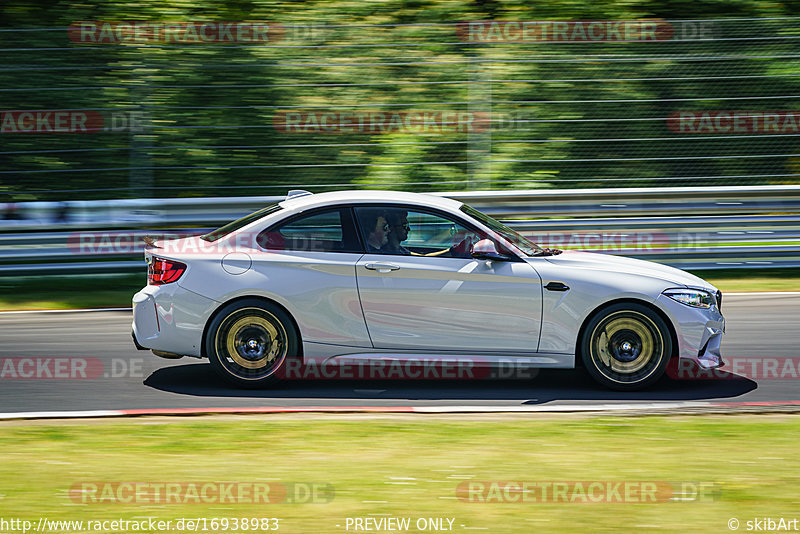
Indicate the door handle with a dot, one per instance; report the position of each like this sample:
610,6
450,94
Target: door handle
557,286
381,267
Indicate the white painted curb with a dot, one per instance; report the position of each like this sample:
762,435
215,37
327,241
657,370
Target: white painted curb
768,406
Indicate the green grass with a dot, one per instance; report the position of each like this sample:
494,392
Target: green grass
412,465
114,291
734,280
66,292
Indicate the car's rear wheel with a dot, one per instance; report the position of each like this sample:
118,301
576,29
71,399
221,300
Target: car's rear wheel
626,346
249,342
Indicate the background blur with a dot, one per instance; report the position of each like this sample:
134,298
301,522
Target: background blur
184,115
482,109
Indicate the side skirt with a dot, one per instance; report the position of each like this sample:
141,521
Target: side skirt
323,354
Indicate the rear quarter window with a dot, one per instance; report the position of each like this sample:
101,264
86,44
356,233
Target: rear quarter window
326,231
240,223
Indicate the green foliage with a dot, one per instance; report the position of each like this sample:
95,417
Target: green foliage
563,114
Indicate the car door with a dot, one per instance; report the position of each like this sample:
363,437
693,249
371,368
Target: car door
309,261
430,294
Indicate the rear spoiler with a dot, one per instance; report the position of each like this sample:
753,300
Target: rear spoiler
150,241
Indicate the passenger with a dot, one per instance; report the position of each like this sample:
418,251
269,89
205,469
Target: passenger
376,229
398,224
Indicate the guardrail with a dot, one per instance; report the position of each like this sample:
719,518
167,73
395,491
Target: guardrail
525,204
691,228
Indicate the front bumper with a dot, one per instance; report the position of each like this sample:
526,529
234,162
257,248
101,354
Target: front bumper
699,332
169,318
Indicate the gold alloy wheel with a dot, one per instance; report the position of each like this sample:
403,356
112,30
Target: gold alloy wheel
252,343
626,346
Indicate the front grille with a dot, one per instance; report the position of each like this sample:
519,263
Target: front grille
719,300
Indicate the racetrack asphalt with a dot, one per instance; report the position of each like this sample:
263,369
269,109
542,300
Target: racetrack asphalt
760,327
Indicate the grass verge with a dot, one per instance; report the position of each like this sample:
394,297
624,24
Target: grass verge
67,292
387,466
113,291
735,280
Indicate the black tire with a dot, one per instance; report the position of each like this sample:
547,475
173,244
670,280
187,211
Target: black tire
626,347
249,341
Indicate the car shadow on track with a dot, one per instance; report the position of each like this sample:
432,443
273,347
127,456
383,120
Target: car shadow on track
548,385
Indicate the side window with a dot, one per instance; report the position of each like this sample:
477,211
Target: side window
326,231
397,231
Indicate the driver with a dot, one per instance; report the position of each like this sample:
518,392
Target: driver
399,227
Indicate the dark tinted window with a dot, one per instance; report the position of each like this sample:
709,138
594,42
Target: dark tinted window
409,232
240,223
321,231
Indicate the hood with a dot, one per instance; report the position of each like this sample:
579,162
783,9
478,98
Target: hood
620,264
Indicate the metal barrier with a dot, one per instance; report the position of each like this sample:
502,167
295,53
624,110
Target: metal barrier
695,228
522,204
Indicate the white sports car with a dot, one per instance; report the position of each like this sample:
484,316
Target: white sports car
364,275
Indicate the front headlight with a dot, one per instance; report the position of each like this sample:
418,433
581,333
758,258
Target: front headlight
691,297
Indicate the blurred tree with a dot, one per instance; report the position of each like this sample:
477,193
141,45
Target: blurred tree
393,94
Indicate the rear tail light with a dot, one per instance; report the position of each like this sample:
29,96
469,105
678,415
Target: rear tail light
163,271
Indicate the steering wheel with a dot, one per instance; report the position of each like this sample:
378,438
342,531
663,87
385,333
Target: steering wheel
462,244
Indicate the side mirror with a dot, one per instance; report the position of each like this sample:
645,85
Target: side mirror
485,250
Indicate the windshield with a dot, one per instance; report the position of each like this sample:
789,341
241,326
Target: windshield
239,223
521,242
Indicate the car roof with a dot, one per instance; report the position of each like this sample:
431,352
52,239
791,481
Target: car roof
304,202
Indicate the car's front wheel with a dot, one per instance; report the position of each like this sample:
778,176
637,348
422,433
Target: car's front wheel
626,346
249,341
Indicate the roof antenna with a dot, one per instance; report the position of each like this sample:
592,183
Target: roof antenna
295,193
